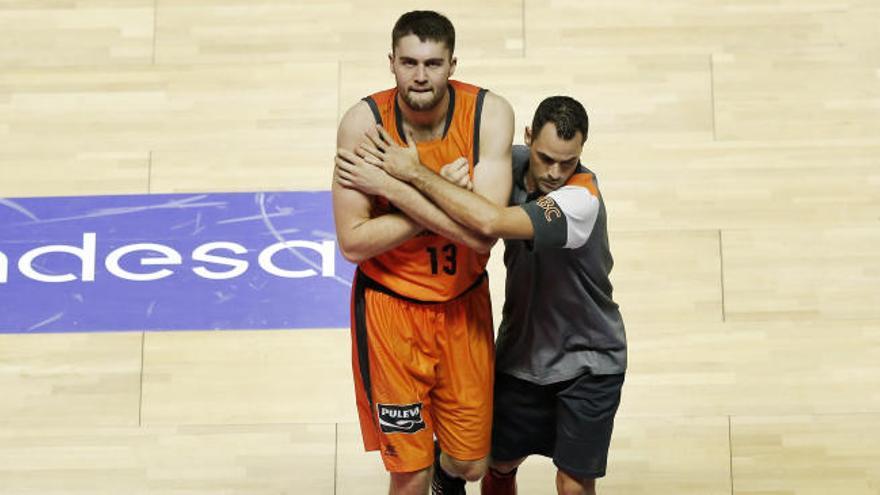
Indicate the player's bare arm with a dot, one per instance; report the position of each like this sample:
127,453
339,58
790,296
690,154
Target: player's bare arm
373,181
361,236
485,211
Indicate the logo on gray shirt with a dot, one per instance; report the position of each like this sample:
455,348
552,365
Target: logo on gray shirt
551,209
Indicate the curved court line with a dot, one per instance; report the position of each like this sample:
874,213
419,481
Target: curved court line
17,207
261,201
292,230
282,212
324,235
107,212
47,321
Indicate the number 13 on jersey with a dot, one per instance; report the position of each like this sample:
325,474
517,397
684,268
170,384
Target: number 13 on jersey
445,255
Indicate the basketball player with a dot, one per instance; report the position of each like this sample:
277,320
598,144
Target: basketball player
561,345
422,336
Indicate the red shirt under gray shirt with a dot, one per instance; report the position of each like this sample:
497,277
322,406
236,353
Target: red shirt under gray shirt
559,320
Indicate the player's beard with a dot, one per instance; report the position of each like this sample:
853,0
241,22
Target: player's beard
418,102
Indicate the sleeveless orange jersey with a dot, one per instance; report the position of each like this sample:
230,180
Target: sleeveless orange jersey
430,267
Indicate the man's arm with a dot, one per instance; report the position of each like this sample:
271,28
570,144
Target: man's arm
473,210
493,177
484,212
360,236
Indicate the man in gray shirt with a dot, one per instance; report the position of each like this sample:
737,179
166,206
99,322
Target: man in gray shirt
561,348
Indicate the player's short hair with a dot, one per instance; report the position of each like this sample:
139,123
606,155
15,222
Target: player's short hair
427,25
566,113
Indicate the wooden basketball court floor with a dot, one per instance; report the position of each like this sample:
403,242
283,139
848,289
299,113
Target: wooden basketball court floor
736,144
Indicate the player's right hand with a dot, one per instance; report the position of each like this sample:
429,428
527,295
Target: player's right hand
458,173
354,172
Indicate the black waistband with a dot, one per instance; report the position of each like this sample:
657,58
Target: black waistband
368,283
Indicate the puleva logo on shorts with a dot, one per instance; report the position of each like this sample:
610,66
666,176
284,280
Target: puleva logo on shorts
395,418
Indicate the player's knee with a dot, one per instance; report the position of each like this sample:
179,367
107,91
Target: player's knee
474,472
470,470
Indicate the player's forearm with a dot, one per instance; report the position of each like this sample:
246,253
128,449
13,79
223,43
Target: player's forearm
419,209
374,236
465,207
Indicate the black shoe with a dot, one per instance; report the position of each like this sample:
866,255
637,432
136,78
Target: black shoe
442,483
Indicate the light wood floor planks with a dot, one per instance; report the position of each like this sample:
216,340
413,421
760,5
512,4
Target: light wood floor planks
736,144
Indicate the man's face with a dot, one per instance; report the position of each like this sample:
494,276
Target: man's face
552,160
422,70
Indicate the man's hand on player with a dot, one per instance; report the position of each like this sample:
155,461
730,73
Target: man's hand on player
353,172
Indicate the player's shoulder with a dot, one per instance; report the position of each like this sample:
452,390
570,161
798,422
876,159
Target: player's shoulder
495,104
497,122
355,121
359,113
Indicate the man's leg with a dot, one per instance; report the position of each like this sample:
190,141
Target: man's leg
415,483
524,423
585,421
500,478
568,485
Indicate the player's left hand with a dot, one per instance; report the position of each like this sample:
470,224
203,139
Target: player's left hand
353,172
380,150
458,173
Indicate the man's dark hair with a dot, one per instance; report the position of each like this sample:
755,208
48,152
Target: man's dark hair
427,25
566,113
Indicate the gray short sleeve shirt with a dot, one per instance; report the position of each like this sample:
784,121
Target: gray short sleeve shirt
559,318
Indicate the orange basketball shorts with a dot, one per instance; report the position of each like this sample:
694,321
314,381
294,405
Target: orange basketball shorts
423,370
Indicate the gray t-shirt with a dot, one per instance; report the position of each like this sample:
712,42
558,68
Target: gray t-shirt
559,319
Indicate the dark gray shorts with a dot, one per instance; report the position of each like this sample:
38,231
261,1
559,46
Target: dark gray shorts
570,421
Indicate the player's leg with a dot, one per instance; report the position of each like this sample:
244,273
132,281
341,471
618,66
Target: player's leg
462,396
450,474
415,483
394,373
585,420
466,470
360,368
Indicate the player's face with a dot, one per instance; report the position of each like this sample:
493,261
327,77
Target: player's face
422,70
552,159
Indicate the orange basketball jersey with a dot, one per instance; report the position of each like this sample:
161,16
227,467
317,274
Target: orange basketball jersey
430,267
